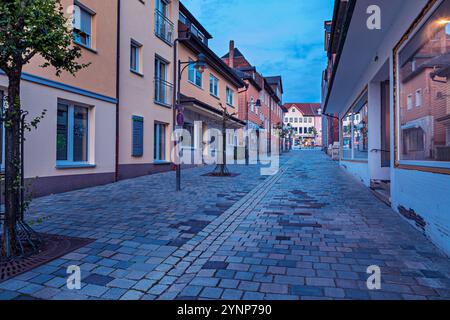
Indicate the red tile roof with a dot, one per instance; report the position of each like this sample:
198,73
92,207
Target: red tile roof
307,109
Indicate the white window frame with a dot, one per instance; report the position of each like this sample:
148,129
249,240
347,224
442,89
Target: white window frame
214,85
138,47
409,102
230,96
70,135
77,25
193,72
419,98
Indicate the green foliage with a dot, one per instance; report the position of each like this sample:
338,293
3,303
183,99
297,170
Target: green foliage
36,27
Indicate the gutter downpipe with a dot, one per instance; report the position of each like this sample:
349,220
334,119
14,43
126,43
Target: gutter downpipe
116,175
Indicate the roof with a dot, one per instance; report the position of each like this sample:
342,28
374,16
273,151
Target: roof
213,60
237,54
275,80
194,20
307,109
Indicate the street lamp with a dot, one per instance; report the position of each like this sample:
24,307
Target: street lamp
178,117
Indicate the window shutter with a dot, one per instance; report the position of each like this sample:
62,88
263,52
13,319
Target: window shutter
138,136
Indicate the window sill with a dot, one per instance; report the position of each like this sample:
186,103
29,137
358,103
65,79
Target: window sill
85,47
169,43
137,73
162,104
74,165
214,96
195,85
230,105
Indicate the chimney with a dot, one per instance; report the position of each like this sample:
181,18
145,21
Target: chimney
231,55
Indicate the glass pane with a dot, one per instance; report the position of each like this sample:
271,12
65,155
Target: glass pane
86,22
424,73
347,137
80,134
160,142
61,132
361,133
134,58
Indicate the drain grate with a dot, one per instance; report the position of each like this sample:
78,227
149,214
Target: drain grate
54,247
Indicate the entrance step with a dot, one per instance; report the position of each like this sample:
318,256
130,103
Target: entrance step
382,190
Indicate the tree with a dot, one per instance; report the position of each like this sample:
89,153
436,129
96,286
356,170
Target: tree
221,169
28,28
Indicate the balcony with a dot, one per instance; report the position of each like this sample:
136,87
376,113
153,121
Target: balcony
163,92
163,27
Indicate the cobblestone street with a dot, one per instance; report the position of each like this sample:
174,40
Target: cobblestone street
309,232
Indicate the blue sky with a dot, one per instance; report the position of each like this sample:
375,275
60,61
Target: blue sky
278,37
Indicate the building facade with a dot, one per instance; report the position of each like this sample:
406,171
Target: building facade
147,32
260,100
74,145
391,95
305,119
205,95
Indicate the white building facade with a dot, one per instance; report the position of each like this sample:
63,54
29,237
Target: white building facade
390,88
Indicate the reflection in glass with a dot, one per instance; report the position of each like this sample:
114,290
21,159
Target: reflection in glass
424,66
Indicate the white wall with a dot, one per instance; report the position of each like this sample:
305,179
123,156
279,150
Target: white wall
376,172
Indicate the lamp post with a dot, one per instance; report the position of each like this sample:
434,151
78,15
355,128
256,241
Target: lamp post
178,117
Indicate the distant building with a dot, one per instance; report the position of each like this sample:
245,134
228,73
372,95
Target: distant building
260,101
306,122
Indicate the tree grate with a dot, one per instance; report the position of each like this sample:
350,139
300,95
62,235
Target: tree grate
53,247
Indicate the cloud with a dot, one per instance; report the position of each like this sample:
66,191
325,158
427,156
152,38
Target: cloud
278,37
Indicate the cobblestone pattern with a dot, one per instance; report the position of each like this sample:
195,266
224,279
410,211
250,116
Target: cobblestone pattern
309,232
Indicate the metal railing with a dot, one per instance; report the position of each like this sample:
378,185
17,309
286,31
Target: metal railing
163,92
164,28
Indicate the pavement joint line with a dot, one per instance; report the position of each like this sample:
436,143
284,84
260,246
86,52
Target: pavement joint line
231,217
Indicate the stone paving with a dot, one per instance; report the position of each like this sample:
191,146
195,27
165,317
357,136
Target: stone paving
309,232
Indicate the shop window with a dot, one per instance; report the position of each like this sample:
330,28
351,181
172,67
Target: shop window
423,129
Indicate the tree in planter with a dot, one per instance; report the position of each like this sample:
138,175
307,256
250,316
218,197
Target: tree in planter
27,28
221,169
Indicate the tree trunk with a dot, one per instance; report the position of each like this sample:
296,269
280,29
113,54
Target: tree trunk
12,163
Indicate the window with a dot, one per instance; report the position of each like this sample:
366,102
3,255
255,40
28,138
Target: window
361,132
135,56
162,87
72,133
138,136
163,26
194,75
296,120
409,102
423,132
188,143
82,26
300,120
230,94
286,120
418,98
355,131
252,104
213,85
310,120
159,149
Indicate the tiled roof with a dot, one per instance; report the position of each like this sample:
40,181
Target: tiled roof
307,109
237,54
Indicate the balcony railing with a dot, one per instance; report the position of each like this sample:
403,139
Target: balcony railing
163,27
163,92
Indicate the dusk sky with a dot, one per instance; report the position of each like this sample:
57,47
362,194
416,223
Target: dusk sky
278,37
